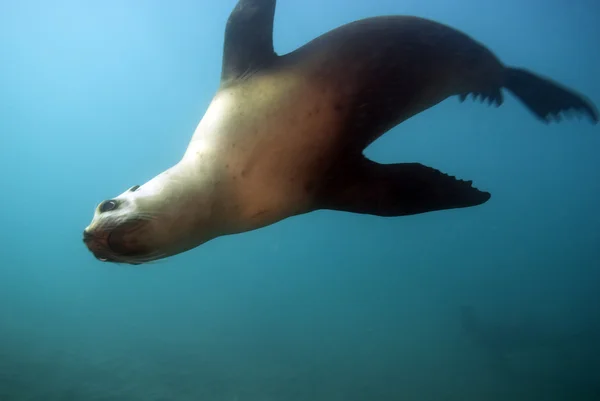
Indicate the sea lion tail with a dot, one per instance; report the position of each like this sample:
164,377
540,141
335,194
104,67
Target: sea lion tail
547,99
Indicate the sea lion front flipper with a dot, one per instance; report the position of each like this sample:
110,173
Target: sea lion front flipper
397,190
248,43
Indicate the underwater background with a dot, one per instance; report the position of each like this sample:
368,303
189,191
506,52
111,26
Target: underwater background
496,302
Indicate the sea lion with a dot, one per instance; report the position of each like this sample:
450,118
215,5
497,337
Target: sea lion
284,134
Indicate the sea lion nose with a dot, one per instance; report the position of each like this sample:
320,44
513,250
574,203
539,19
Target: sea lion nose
87,236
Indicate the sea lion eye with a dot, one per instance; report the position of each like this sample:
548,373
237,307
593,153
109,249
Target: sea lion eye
107,206
134,188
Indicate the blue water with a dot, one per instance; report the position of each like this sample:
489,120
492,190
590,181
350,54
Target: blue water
498,302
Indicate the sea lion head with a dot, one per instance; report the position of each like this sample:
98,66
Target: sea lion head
146,223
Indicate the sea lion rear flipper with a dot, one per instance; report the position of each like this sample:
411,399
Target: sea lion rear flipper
398,190
545,98
248,43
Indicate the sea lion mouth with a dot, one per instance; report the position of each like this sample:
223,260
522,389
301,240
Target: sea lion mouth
116,245
97,245
122,242
126,243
